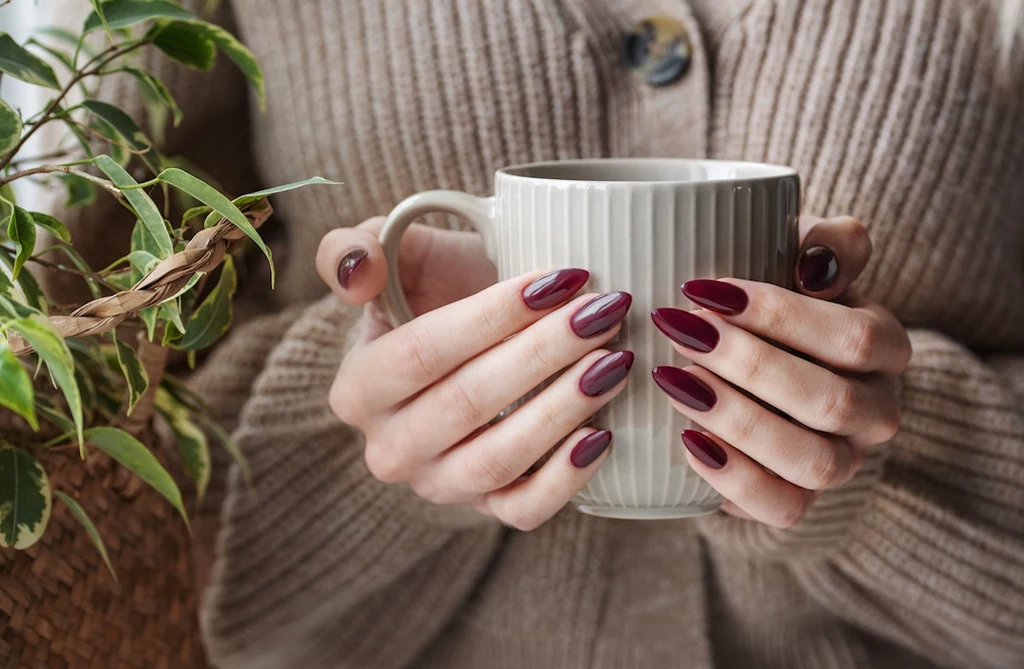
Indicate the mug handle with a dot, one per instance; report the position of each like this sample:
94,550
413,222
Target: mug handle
479,211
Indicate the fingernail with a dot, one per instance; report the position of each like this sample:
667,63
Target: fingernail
606,373
349,264
719,296
704,449
554,288
590,448
685,328
817,268
600,314
684,388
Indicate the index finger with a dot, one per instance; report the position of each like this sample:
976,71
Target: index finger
409,358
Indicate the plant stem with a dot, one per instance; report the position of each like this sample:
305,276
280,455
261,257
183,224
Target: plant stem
57,267
66,169
114,52
39,159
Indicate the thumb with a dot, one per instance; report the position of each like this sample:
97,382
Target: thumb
833,253
351,262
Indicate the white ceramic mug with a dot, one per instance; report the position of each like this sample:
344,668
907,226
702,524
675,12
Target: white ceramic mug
644,226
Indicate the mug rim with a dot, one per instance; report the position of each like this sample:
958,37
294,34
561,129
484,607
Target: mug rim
758,171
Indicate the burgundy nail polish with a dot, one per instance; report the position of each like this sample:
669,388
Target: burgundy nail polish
554,288
684,388
687,329
719,296
600,314
606,373
817,268
590,448
349,264
704,449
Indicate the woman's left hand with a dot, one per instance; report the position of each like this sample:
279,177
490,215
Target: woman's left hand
835,385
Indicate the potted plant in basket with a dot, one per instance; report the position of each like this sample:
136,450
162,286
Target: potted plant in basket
89,380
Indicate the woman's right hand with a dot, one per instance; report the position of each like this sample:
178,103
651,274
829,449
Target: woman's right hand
425,394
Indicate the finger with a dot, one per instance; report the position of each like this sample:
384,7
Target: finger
833,254
351,262
813,395
483,387
859,336
502,453
735,511
431,346
807,459
526,505
754,492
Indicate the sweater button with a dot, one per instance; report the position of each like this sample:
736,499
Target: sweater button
657,49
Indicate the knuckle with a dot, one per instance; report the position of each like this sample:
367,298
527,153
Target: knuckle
521,518
383,463
889,426
838,409
487,473
745,424
862,342
538,350
830,466
459,397
774,310
418,356
345,402
792,512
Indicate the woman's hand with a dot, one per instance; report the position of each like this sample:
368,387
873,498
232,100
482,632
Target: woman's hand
425,394
835,386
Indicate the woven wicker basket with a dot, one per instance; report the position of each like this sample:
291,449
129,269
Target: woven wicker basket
60,607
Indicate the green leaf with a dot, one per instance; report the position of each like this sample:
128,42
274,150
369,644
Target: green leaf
171,312
195,451
128,130
65,36
125,13
141,202
80,191
212,318
90,529
14,310
187,46
32,292
52,349
10,127
56,416
24,499
127,450
97,7
226,442
194,212
156,91
148,316
247,199
208,195
6,287
21,230
16,386
52,225
238,53
16,61
143,261
134,373
63,57
143,240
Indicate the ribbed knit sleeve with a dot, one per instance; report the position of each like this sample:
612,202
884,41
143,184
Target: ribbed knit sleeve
318,564
926,547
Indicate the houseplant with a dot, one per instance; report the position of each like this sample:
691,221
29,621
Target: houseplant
82,386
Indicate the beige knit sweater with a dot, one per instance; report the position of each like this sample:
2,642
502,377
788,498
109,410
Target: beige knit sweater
892,110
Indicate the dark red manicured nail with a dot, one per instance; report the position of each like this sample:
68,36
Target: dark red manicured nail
554,288
349,264
606,373
719,296
704,449
590,448
684,388
687,329
817,268
600,314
